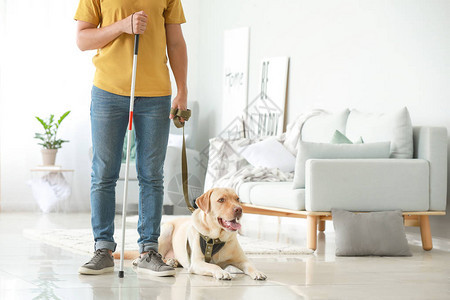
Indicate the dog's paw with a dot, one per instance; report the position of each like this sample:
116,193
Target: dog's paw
222,275
172,262
257,275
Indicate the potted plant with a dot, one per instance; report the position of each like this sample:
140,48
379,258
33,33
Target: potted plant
48,139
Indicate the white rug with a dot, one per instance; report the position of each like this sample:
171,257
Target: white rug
82,241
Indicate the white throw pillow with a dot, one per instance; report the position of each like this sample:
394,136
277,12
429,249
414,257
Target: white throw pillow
269,153
307,150
376,127
320,128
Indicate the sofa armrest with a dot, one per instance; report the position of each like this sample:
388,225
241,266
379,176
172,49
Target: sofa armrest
367,184
430,143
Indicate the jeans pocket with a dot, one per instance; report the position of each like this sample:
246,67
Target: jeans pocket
108,105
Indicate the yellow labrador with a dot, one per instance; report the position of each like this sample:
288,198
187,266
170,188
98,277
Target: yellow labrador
217,218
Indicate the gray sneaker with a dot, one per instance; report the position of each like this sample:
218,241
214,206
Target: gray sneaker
152,263
101,263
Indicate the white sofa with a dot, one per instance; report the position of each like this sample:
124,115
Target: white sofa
417,185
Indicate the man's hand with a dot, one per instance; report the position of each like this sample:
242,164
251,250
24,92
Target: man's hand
90,37
139,22
180,102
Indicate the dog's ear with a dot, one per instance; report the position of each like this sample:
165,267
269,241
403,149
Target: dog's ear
203,202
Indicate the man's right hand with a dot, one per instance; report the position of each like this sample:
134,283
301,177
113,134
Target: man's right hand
139,22
90,37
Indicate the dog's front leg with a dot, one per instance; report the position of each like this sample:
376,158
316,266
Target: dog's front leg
248,268
204,268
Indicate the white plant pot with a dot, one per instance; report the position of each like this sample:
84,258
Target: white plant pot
49,156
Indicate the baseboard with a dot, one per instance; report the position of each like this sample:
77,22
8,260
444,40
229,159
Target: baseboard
29,206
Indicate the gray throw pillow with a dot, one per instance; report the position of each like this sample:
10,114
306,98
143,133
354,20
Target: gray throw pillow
375,233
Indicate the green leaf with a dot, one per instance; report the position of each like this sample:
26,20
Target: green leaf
42,122
63,117
59,142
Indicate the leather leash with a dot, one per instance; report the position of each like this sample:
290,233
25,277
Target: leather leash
185,114
208,245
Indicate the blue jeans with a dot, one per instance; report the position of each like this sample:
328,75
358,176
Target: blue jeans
109,120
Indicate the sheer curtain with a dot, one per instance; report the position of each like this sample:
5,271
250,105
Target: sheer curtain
42,72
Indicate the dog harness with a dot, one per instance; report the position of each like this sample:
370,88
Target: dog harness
210,246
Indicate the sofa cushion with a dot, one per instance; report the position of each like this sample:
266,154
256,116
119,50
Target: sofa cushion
308,150
272,194
367,184
320,128
375,233
244,191
377,127
269,153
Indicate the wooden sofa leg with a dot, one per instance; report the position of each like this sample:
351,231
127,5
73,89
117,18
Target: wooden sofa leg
425,232
311,235
322,225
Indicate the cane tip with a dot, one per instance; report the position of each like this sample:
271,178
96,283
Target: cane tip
121,274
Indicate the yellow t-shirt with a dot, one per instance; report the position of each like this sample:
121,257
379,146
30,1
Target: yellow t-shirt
114,61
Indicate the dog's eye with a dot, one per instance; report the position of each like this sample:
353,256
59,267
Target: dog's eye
238,200
221,200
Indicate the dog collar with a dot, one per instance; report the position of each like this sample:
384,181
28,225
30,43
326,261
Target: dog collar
210,246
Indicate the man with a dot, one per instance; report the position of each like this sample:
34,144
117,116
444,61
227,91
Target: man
110,26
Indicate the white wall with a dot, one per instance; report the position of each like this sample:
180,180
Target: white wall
374,55
43,72
371,55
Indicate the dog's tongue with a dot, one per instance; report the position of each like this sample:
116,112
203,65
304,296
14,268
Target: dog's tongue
232,225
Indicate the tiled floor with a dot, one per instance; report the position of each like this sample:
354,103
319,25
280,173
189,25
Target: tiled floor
33,270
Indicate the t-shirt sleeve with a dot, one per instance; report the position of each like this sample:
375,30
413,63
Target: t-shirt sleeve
89,11
174,12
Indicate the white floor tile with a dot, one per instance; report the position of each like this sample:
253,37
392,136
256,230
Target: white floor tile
31,269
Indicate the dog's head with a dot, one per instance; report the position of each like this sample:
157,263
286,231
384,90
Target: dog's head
223,205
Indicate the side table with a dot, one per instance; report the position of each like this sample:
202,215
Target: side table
52,187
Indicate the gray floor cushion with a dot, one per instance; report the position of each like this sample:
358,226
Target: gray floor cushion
375,233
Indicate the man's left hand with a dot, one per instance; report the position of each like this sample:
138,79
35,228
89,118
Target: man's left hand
180,102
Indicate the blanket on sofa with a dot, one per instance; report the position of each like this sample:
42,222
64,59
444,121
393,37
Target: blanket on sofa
290,138
227,168
250,173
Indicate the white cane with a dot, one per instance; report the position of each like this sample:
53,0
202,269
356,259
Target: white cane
130,127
